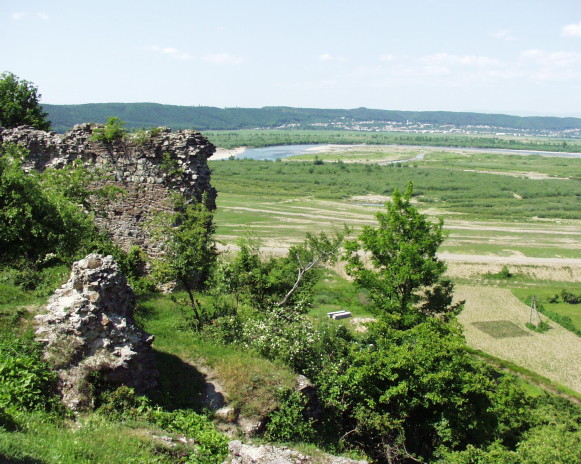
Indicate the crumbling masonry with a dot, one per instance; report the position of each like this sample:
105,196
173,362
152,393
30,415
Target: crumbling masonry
148,169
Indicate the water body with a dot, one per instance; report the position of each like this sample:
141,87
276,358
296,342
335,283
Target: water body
284,151
277,152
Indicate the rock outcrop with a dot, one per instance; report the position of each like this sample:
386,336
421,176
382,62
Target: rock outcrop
90,333
148,167
269,454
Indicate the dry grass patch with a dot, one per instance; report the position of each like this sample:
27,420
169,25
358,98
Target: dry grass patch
555,354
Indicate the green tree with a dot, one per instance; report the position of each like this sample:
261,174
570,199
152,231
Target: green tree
402,253
405,393
190,251
19,104
36,215
283,282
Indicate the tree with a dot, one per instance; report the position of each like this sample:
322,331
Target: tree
312,254
38,214
19,103
190,251
402,253
282,282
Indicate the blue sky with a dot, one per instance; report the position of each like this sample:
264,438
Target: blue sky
510,56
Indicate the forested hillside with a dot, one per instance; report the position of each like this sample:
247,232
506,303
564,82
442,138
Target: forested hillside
139,115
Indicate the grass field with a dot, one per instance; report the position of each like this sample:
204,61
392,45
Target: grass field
494,321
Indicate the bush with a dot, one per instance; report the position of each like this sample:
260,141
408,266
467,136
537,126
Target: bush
289,423
291,339
541,327
505,273
27,381
124,405
111,132
36,220
570,298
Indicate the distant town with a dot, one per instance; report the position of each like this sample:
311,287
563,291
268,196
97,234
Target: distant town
425,128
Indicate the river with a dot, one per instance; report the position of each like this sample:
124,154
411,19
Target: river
284,151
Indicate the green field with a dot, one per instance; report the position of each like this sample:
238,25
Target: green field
466,189
517,211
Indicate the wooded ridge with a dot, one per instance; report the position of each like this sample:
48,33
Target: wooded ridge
139,115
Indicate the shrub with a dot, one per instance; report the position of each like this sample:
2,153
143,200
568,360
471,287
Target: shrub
289,423
569,297
541,327
111,132
276,336
505,273
124,405
27,382
36,219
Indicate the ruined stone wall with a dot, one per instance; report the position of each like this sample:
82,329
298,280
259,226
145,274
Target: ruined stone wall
148,168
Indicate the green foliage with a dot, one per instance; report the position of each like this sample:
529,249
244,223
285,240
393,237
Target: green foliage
416,390
113,131
36,281
402,251
209,118
19,103
562,320
190,252
124,405
505,273
211,446
289,423
450,188
553,435
541,327
170,165
27,381
143,136
570,298
265,284
36,218
284,336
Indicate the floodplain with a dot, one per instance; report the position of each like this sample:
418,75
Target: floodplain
513,224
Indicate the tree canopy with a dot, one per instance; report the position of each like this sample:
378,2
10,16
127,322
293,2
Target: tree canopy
19,103
402,253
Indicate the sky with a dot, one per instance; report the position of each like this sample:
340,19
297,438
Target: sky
509,56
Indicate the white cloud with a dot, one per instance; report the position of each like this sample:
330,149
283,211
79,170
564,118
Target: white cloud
325,57
503,35
552,59
223,58
446,59
172,52
387,57
550,66
571,30
20,15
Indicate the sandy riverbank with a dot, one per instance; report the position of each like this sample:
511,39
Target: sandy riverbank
224,153
330,148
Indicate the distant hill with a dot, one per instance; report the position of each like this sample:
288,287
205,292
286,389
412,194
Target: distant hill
144,115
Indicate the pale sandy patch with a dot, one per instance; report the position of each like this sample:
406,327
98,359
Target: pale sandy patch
332,148
225,153
529,175
555,354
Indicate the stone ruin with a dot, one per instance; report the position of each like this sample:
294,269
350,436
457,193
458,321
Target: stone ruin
241,453
148,168
90,333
